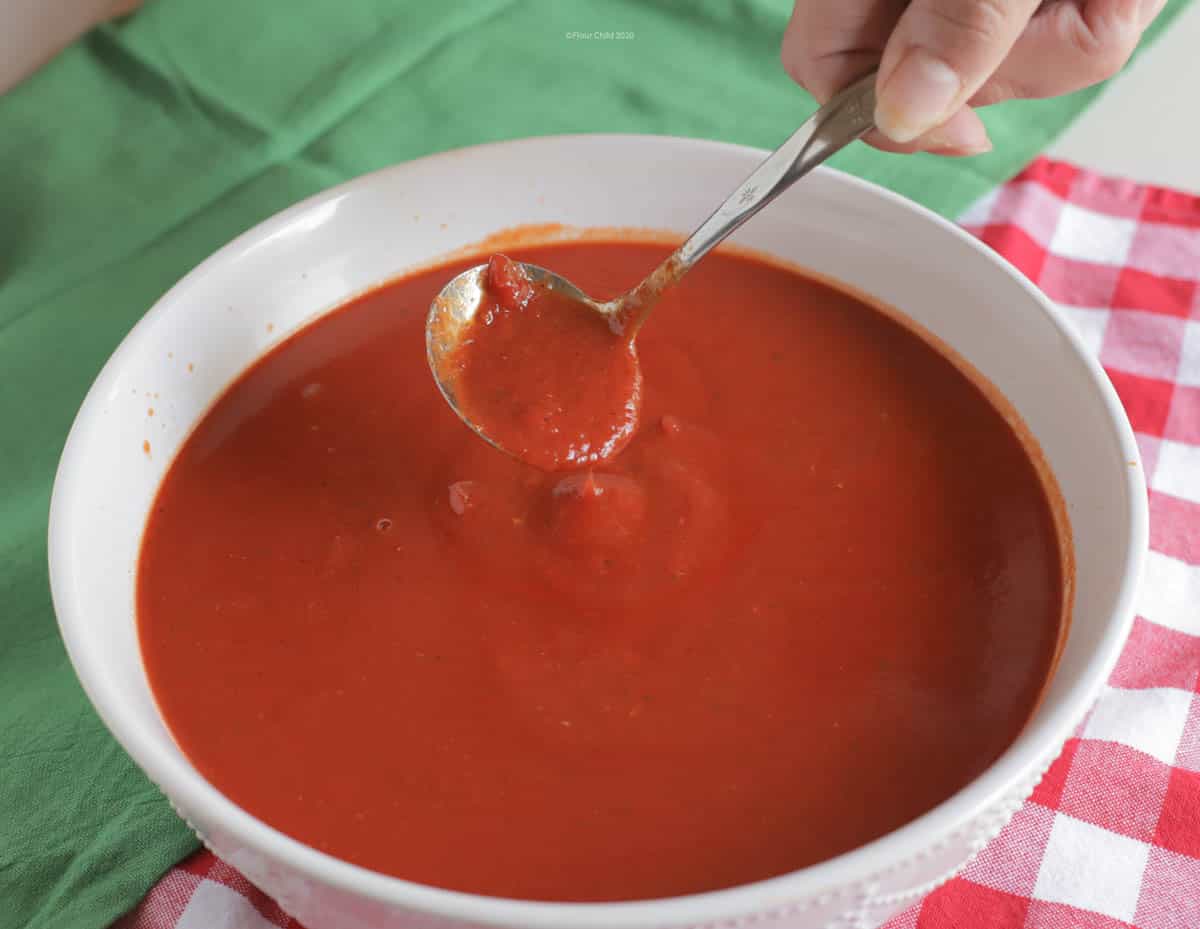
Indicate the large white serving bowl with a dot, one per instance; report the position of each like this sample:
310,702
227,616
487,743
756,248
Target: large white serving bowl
300,264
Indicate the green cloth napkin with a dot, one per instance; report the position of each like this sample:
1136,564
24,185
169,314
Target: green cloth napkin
146,146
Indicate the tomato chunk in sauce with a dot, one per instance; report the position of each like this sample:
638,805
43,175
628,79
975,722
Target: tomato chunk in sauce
819,591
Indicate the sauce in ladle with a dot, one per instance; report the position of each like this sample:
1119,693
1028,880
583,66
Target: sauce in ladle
545,376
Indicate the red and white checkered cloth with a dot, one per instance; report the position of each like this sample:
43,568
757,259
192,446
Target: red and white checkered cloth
1111,837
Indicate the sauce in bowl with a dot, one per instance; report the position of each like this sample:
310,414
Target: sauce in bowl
820,590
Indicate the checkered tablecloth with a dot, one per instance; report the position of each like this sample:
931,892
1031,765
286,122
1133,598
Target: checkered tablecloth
1110,839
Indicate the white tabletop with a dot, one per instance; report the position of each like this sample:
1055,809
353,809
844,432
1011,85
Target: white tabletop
1146,124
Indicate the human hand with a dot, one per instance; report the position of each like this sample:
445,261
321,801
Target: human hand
34,31
938,59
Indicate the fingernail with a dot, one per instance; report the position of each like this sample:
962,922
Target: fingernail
1130,14
959,151
917,96
969,139
1148,10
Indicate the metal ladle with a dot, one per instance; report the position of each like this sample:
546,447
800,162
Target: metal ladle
846,117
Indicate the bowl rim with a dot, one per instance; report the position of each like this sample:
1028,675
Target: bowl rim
1041,740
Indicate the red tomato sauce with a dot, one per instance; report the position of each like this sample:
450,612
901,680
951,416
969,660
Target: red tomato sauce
819,592
546,377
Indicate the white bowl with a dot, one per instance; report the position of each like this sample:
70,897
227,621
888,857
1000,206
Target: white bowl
310,258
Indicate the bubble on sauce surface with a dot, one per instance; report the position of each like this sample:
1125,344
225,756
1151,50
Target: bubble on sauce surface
670,425
383,525
463,496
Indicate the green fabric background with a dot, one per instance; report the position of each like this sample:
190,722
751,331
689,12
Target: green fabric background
146,146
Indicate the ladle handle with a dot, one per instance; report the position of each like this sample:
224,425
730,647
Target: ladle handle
847,116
